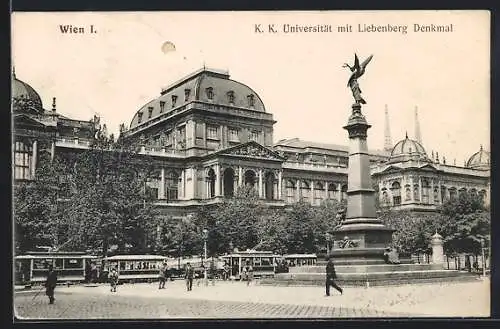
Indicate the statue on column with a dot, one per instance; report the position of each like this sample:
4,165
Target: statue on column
357,71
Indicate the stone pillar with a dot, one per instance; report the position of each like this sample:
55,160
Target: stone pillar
311,197
33,158
161,189
326,190
431,194
339,192
217,180
297,189
420,188
182,184
260,183
52,150
440,197
437,249
280,184
412,195
240,176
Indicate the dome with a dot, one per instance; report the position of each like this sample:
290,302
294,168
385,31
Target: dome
205,85
479,160
24,96
408,149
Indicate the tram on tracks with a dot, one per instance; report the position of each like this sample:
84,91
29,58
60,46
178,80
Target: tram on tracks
262,262
135,268
33,267
300,259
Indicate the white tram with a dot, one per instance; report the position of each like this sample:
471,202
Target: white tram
33,266
262,262
135,268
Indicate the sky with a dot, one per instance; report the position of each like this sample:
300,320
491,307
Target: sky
299,76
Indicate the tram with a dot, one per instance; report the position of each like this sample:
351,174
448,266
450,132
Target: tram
262,262
32,268
300,259
135,268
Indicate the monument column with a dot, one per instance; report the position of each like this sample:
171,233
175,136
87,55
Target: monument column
437,249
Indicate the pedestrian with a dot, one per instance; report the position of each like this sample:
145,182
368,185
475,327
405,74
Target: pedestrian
113,279
163,275
248,272
50,284
226,271
330,277
189,276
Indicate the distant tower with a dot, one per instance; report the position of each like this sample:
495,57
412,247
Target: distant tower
387,132
418,136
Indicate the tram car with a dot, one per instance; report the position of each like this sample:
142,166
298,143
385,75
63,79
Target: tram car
33,267
262,262
293,260
135,268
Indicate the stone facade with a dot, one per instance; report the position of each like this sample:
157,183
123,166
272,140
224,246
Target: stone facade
206,135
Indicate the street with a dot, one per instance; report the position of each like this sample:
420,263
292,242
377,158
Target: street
236,300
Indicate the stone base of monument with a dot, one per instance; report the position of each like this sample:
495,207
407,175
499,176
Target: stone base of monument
370,275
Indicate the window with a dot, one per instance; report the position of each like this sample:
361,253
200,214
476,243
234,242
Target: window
396,193
174,100
150,112
186,94
254,135
210,92
251,100
22,160
230,97
172,185
233,135
162,106
290,192
212,132
139,117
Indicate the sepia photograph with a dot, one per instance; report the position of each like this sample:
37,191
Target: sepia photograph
250,165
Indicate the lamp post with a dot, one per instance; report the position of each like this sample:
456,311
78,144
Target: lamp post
205,238
484,260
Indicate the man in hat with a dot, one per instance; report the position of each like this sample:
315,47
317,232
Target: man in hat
113,279
331,275
163,275
189,276
50,284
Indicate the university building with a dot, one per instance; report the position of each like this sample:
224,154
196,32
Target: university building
206,135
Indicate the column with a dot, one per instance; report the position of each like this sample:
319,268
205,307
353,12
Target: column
260,183
431,196
182,184
217,180
412,198
161,190
339,190
297,190
33,159
52,151
311,197
222,181
280,178
420,188
326,190
240,176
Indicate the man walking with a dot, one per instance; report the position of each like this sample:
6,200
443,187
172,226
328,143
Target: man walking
163,275
50,284
248,272
189,277
331,276
113,279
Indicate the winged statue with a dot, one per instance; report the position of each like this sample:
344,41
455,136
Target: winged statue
357,71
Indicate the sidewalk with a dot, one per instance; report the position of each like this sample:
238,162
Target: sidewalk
468,299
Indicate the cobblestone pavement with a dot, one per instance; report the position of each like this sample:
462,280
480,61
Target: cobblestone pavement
236,300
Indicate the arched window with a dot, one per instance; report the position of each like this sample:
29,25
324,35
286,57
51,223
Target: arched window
332,191
343,191
436,194
211,183
305,191
453,193
153,183
269,186
22,160
318,193
290,191
443,193
407,192
228,182
426,188
396,193
250,178
416,192
172,185
385,198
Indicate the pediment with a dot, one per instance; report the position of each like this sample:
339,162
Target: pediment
428,167
251,150
24,119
